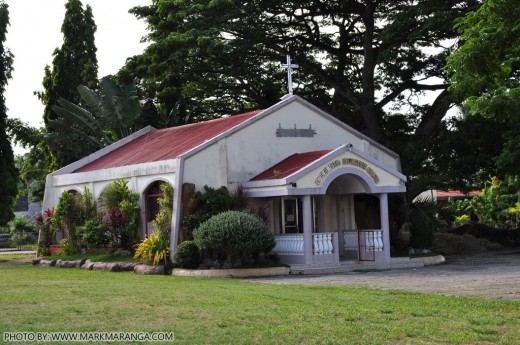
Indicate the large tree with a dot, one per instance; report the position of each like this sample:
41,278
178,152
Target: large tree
74,64
8,171
367,62
485,74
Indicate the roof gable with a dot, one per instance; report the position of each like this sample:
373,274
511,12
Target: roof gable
170,143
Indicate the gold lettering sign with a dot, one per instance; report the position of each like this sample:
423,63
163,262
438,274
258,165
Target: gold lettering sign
345,161
326,170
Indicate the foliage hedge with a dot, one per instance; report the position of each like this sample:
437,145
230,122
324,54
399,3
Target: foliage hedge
236,234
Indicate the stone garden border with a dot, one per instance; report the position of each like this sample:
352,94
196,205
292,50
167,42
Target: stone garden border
137,267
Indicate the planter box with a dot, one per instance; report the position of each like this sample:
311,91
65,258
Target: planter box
55,248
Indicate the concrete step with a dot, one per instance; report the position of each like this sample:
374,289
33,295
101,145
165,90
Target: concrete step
349,266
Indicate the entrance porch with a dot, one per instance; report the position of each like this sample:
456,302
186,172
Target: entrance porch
312,242
316,202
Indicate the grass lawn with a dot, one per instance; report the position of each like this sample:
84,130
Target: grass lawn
16,257
223,311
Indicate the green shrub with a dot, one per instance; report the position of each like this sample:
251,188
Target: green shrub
187,255
67,247
21,225
19,239
210,202
493,206
22,233
461,220
163,221
88,207
94,234
236,234
67,216
120,207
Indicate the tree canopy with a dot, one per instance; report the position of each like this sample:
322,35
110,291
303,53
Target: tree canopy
366,62
485,70
8,171
485,75
74,64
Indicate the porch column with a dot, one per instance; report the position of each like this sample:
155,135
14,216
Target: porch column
385,225
307,228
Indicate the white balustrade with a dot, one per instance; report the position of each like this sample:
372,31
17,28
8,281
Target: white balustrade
379,241
373,239
369,240
328,243
322,244
289,245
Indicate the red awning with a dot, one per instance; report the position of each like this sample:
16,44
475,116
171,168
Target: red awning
290,165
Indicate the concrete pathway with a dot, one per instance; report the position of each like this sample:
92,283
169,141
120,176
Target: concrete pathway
490,275
16,252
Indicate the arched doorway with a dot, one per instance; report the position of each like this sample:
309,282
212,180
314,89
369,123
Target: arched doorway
152,194
355,212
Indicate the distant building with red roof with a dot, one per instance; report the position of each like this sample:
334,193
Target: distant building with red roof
310,170
455,194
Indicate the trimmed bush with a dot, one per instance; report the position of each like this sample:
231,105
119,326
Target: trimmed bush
187,255
236,234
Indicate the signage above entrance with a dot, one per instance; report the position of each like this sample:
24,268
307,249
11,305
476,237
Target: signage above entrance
345,161
295,132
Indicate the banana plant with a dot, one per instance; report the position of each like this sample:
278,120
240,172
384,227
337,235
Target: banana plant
103,117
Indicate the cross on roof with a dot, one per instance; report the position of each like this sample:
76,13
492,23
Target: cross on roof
290,68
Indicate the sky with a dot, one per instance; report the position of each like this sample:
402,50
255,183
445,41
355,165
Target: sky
35,31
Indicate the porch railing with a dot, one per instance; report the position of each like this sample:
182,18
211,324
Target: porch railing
322,244
369,239
289,245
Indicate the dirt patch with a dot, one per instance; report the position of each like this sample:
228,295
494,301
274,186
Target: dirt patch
452,244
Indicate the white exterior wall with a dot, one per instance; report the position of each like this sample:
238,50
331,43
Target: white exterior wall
255,148
139,177
203,168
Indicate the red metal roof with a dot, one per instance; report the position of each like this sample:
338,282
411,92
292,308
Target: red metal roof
290,165
164,144
455,194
